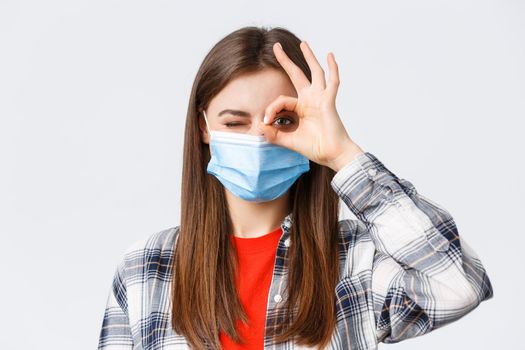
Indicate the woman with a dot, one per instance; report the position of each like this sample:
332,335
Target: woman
260,259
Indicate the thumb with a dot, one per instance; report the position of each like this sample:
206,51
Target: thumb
272,133
276,136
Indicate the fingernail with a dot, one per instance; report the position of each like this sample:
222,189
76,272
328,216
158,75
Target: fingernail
280,45
265,120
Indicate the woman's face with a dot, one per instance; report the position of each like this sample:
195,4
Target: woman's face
240,105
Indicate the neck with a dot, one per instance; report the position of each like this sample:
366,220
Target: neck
251,219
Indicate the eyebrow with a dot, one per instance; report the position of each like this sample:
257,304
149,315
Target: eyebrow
234,112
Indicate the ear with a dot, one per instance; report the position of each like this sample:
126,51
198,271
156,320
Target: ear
202,128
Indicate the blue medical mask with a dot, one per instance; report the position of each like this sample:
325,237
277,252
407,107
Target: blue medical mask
251,167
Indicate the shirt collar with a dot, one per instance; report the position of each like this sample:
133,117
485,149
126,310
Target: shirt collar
287,224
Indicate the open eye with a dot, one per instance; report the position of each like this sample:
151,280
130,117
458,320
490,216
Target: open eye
283,121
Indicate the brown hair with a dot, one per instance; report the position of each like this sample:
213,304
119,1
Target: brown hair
204,296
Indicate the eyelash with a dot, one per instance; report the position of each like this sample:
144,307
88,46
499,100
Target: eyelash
233,124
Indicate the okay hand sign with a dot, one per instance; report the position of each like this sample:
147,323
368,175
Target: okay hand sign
320,135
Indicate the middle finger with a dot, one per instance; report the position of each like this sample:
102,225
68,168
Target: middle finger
299,80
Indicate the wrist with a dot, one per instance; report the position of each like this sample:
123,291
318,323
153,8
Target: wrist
350,152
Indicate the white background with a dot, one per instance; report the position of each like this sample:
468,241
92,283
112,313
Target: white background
93,100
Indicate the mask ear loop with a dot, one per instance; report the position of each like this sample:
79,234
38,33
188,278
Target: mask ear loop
207,126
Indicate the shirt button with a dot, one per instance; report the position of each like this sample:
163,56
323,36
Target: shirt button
277,298
287,242
372,172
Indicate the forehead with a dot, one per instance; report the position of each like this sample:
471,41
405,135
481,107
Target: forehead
252,92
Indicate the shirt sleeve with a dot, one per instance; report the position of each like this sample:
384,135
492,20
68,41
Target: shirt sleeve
116,331
424,275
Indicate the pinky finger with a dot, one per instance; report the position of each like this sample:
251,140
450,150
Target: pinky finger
333,78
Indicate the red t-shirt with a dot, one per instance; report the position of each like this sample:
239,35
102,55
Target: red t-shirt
256,263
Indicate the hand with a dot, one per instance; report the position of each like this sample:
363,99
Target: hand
320,134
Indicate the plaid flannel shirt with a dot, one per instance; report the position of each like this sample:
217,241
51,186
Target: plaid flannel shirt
404,271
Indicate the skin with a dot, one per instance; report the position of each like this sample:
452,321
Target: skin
299,115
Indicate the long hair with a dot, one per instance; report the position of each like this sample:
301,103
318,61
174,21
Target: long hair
205,300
